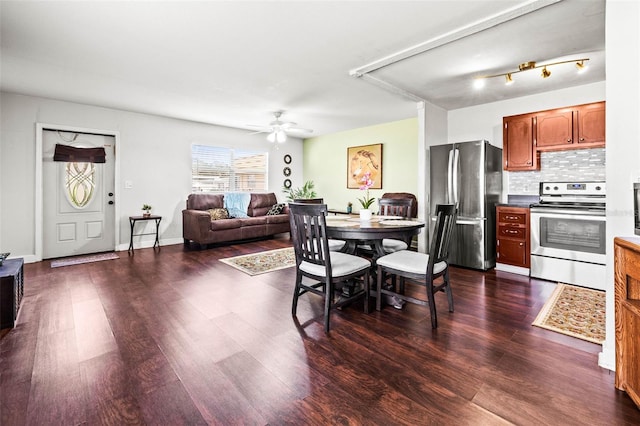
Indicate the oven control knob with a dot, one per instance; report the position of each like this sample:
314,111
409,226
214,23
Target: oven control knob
598,188
555,188
547,187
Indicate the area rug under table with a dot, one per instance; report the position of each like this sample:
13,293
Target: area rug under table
77,260
265,261
575,311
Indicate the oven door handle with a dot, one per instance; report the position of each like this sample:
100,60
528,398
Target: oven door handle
567,214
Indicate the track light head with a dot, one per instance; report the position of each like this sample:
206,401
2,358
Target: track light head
545,73
509,79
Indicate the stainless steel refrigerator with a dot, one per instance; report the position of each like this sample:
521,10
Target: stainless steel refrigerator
468,174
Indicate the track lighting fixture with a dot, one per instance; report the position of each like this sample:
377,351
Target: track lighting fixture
526,66
545,73
509,79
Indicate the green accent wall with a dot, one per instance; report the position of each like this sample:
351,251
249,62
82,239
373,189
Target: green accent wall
325,161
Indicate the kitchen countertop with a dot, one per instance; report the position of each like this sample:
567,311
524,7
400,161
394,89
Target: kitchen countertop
523,201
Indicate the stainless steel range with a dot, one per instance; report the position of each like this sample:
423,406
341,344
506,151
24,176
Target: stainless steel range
568,232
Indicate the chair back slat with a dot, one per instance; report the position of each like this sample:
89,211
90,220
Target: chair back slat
395,207
445,221
308,232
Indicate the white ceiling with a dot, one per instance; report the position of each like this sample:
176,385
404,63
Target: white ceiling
234,62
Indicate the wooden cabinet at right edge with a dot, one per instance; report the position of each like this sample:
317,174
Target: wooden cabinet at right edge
575,127
627,315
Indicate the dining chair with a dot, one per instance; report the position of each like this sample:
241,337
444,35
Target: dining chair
422,268
334,245
324,268
394,207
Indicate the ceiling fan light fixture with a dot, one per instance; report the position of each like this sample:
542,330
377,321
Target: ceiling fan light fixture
280,136
271,137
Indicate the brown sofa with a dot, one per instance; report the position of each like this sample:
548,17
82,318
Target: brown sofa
198,226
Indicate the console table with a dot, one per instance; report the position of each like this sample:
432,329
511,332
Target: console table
11,290
132,222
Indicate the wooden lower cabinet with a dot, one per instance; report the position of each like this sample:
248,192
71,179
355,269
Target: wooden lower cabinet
627,315
512,245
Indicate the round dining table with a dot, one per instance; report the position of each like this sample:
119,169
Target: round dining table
356,232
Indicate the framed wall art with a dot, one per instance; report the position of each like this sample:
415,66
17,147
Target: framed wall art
361,160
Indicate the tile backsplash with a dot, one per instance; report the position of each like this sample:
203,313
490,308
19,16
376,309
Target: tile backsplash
574,165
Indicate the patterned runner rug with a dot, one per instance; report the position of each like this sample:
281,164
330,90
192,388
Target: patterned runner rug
575,311
83,259
265,261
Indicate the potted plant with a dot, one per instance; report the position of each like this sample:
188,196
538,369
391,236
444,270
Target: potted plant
305,194
349,207
146,208
366,201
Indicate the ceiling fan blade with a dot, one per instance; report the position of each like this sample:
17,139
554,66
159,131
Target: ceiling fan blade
299,129
260,131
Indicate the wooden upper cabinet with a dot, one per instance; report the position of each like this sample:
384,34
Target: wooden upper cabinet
590,125
526,135
555,129
518,152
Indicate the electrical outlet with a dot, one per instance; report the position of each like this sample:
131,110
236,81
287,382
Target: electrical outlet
128,184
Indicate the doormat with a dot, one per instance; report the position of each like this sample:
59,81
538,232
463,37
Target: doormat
67,261
265,261
575,311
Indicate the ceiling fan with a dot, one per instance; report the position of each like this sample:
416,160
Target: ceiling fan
278,130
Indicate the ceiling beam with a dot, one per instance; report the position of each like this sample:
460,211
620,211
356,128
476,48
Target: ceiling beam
451,36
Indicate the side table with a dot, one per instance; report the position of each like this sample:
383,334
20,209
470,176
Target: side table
11,290
132,222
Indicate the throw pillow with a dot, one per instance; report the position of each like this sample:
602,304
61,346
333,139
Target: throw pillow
218,214
235,212
275,209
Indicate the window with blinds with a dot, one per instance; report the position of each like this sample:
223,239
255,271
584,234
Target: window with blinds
217,169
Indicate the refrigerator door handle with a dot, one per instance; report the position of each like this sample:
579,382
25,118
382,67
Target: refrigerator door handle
456,195
450,178
473,221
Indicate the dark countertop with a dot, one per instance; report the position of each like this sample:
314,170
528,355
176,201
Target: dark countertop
520,201
521,205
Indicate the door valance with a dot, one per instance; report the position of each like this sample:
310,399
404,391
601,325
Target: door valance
79,155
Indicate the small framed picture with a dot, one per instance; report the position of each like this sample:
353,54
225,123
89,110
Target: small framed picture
287,159
287,183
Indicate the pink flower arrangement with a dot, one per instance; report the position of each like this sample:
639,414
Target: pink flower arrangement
367,183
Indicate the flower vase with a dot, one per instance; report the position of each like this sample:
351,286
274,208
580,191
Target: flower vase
365,214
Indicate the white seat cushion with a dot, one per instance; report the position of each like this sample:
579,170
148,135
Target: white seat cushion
410,261
391,246
341,264
336,245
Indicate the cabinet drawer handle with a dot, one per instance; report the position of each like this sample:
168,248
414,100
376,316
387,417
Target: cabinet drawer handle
512,217
581,139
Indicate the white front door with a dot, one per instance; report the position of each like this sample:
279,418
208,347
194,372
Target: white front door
78,198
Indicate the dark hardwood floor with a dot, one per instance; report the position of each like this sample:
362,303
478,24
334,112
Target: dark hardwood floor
176,337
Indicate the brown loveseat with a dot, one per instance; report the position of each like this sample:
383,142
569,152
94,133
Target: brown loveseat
199,227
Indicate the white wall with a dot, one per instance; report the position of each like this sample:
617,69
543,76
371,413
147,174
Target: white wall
153,152
623,139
